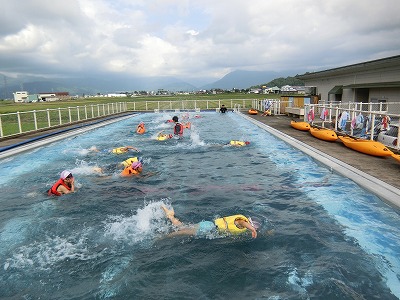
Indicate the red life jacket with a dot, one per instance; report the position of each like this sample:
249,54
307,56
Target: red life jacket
53,190
178,129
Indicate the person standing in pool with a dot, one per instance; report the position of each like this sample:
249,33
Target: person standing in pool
236,224
178,128
65,185
223,109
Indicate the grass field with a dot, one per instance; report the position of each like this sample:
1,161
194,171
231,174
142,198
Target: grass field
17,118
9,106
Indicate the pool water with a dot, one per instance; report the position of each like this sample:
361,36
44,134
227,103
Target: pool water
323,237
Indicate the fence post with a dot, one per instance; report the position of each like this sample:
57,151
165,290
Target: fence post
19,122
372,127
336,117
86,113
77,112
1,128
35,119
69,114
59,115
104,110
48,117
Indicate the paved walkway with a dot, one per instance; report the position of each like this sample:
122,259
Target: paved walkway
386,169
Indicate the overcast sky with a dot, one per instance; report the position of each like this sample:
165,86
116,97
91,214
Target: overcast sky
192,39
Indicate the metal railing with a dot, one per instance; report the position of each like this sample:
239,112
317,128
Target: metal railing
12,124
362,120
181,105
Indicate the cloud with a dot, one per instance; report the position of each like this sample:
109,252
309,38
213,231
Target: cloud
190,39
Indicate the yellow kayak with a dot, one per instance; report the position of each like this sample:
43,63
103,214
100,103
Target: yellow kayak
300,125
366,146
324,134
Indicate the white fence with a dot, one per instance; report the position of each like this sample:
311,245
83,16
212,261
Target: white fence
12,124
363,120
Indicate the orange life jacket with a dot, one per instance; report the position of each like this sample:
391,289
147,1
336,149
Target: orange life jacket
141,129
129,171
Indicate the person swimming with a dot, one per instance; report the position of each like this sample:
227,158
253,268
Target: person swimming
64,185
235,224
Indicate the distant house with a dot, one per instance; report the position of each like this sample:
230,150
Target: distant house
21,96
48,97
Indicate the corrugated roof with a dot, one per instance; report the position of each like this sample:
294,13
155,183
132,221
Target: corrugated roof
364,66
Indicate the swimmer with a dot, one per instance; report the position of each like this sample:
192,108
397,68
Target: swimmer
163,136
237,224
65,185
233,143
140,129
134,169
238,143
119,150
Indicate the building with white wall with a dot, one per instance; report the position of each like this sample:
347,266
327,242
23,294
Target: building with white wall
371,81
20,96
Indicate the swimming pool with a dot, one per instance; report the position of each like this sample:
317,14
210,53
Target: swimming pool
331,240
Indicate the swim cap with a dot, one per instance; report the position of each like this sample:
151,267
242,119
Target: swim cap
136,165
256,223
175,119
246,142
64,174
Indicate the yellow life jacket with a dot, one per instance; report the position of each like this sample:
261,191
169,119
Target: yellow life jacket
163,137
119,150
129,161
228,224
237,143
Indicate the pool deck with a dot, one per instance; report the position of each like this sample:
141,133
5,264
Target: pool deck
374,173
378,169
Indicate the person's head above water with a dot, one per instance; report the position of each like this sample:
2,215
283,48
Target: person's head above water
175,119
136,165
247,142
65,174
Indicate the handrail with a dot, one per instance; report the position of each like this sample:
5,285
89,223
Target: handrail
372,118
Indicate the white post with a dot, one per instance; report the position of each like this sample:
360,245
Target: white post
77,112
35,119
19,122
1,128
48,117
372,127
69,114
59,116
